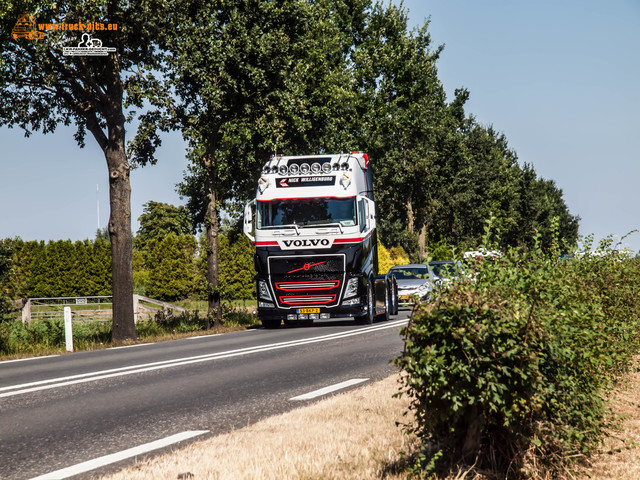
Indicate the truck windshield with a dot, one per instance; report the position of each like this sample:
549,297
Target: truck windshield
307,211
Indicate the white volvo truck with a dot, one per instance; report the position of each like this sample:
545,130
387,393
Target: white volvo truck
313,223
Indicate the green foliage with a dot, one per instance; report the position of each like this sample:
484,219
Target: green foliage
159,220
513,363
58,269
172,268
171,265
140,273
387,258
45,336
5,271
441,250
237,269
103,233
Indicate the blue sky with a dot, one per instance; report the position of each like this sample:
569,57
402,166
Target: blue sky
558,78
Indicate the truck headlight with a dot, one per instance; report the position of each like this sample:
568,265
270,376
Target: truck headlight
263,290
352,288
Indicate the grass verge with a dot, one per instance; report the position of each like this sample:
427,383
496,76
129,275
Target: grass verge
354,435
619,457
350,435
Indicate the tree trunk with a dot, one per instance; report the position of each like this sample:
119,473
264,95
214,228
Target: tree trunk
212,222
410,218
422,243
120,233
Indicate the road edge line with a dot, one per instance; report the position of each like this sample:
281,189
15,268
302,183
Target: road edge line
119,456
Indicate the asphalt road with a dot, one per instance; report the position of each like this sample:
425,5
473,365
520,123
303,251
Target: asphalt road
63,411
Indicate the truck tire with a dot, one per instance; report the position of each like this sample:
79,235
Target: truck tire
394,298
367,319
387,306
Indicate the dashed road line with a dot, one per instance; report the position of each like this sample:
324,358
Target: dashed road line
329,389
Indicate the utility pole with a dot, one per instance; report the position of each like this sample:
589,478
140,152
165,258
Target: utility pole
98,201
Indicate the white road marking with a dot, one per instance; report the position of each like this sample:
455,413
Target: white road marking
129,346
329,389
21,389
204,336
26,359
119,456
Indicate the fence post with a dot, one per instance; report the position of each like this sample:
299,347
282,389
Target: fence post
68,330
136,308
26,312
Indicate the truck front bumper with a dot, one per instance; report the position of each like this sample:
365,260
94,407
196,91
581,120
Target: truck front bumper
306,314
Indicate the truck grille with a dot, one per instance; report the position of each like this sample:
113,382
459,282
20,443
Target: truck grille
313,285
307,280
300,300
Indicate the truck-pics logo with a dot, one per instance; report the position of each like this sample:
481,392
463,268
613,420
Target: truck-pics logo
307,242
88,46
25,27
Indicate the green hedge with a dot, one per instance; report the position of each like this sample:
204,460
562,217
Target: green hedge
170,268
59,268
509,367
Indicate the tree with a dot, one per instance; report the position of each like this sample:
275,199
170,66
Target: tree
159,220
237,270
6,253
42,88
172,268
409,109
541,201
245,77
102,233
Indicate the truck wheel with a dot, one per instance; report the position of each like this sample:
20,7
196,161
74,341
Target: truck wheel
368,317
394,298
387,306
271,323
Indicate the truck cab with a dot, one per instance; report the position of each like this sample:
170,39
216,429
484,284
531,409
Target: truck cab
313,223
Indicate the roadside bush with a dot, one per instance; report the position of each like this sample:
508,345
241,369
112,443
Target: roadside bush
508,369
387,258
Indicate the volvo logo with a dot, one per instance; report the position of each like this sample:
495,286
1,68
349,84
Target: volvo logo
312,242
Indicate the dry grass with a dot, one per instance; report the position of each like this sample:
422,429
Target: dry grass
620,457
351,435
354,436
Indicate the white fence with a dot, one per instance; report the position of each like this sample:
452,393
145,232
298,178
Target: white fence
91,309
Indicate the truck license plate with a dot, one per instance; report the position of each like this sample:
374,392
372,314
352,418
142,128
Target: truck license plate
308,310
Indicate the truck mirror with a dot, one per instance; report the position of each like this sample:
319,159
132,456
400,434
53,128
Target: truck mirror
371,214
248,225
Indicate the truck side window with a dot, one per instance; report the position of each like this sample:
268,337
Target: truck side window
362,215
